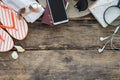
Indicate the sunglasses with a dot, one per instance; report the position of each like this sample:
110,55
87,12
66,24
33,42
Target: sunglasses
28,9
82,5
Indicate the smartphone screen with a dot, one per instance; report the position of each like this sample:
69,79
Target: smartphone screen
57,10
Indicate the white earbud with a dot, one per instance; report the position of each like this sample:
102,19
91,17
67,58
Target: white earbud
104,38
111,39
101,49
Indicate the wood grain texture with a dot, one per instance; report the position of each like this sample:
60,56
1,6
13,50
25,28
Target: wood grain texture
61,65
73,35
65,52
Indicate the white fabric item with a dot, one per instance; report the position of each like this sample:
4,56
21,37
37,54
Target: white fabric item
19,4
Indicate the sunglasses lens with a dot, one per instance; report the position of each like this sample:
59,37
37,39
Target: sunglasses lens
111,16
22,11
33,6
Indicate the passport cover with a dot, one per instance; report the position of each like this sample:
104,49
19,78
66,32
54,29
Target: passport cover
47,19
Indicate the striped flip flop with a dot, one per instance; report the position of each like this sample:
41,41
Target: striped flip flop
15,26
6,42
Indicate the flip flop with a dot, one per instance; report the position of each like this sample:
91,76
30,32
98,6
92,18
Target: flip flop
16,27
6,42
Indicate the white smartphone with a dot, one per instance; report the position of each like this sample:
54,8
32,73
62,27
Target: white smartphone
57,11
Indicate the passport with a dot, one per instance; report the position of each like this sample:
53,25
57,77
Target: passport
47,19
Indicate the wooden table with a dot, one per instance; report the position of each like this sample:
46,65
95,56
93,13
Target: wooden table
66,52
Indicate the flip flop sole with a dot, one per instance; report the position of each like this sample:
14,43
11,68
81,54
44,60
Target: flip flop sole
6,42
21,28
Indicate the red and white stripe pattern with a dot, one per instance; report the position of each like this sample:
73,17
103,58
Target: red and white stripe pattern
21,28
6,42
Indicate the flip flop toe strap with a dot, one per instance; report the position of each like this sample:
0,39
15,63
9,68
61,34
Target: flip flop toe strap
12,16
1,38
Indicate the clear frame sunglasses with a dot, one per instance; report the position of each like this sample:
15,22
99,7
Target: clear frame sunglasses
28,9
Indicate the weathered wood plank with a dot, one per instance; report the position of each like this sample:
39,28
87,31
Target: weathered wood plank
61,65
73,35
